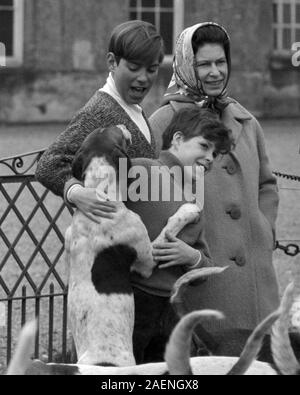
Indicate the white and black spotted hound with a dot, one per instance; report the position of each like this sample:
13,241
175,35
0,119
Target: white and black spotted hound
101,256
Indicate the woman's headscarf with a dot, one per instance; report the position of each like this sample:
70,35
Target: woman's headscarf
185,84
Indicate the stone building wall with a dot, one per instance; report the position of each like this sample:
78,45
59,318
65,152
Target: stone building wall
65,45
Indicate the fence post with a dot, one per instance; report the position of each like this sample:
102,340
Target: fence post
23,307
51,312
37,314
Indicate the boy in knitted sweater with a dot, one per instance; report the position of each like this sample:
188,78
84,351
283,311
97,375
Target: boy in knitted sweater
135,53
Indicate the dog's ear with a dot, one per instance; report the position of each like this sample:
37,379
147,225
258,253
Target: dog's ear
78,166
119,153
127,138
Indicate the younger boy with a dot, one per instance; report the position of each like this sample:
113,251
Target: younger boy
192,141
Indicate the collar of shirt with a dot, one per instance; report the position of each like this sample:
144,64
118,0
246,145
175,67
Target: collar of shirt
134,111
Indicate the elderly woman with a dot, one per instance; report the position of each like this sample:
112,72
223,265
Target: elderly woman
241,195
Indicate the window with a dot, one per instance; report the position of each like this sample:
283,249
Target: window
286,24
166,15
11,30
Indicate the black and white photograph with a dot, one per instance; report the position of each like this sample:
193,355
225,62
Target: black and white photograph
149,190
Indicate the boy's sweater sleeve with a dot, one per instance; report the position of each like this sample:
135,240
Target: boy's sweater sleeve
54,169
55,166
201,245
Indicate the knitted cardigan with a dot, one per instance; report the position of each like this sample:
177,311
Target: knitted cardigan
54,169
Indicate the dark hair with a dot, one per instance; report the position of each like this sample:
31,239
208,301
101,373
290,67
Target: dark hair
137,41
107,142
194,122
211,34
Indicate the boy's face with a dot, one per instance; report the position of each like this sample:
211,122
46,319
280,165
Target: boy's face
133,81
196,152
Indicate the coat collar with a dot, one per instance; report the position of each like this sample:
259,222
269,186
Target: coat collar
169,160
234,115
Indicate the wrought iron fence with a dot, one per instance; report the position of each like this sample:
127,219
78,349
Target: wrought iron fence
32,273
291,249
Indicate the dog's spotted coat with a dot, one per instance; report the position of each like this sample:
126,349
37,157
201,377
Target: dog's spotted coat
100,300
101,256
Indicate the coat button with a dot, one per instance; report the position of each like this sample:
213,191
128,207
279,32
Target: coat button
234,212
231,169
240,261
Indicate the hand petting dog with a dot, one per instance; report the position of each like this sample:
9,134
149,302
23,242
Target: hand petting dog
175,252
93,206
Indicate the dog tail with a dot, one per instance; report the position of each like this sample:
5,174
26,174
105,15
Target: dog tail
182,284
21,360
253,345
283,353
177,353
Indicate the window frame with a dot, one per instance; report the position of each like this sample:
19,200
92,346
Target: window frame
178,21
280,25
18,35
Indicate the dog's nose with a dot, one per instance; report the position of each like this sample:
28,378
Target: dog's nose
126,133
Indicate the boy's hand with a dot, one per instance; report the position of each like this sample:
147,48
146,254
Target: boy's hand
89,203
175,252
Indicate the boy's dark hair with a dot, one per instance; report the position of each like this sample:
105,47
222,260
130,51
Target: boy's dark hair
194,122
137,42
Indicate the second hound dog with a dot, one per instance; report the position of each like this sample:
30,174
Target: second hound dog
178,361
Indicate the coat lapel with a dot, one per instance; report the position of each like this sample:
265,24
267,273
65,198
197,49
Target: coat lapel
234,117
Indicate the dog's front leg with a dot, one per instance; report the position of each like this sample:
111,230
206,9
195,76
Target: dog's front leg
186,214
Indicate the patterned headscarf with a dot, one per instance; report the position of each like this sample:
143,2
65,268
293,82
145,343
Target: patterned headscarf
185,84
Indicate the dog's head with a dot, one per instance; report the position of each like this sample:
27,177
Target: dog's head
110,143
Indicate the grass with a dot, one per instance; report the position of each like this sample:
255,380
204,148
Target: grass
282,138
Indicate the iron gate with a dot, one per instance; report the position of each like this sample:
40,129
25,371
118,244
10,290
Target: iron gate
32,274
33,281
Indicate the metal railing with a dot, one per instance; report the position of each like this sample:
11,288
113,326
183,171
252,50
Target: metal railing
32,274
291,249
